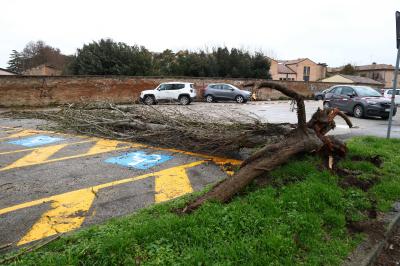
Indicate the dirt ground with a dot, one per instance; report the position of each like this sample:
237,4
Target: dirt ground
391,253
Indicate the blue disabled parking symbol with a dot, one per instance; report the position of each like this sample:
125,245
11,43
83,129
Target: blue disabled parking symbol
139,160
35,141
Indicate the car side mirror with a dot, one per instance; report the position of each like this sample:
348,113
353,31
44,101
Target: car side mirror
351,95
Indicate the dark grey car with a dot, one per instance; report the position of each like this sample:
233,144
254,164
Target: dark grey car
225,92
361,101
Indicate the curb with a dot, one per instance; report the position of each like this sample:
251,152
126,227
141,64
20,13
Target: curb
368,259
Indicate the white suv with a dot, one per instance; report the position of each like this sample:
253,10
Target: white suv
183,92
388,94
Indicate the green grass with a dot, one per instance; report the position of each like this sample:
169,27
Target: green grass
299,220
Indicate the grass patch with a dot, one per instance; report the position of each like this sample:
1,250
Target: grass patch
300,219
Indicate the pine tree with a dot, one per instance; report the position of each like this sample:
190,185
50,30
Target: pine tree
15,64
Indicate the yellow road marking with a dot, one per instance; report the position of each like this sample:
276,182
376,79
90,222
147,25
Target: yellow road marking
68,209
99,149
35,157
67,213
41,155
35,148
22,133
172,183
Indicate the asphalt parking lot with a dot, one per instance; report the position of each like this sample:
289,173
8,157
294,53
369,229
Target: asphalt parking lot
53,183
280,112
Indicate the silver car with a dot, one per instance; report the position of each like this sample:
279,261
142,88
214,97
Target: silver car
225,92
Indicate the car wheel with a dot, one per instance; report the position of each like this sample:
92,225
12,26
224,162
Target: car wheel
320,98
184,100
326,105
239,99
209,98
149,100
358,111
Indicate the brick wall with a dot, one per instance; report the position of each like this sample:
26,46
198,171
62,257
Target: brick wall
54,90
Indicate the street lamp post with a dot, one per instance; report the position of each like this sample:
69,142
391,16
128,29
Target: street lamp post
396,72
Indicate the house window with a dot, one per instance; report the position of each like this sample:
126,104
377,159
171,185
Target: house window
306,73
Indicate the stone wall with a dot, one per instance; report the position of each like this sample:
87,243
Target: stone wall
55,90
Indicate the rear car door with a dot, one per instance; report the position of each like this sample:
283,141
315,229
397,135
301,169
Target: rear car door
218,92
176,90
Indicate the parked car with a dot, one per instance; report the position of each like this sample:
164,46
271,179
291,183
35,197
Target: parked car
182,92
361,101
388,94
321,94
225,92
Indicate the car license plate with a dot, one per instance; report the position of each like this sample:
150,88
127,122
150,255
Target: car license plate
387,110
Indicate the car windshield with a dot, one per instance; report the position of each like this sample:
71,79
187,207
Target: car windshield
367,92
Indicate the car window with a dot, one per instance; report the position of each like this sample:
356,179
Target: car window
191,86
166,87
218,87
347,91
336,90
236,88
367,92
227,88
177,86
390,92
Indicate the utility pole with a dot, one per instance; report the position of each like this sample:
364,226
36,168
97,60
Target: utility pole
396,72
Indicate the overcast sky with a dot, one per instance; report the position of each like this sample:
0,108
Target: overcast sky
334,32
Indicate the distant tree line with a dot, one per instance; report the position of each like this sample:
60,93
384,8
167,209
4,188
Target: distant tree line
107,57
35,54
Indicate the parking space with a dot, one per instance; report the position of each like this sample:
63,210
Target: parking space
53,183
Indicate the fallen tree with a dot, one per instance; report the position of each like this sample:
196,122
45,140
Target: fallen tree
170,127
307,137
232,134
